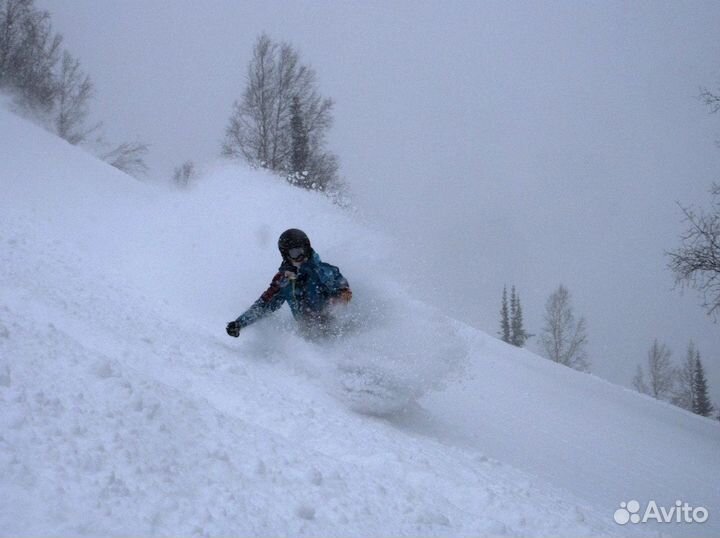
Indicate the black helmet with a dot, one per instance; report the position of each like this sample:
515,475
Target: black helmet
294,238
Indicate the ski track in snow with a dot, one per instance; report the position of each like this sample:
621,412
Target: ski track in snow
126,410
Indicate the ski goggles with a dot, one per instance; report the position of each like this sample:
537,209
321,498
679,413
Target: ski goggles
296,253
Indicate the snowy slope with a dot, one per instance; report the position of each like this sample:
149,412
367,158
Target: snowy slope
126,410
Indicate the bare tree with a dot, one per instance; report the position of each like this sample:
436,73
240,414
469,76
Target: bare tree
58,96
323,169
712,100
248,133
128,157
184,174
696,263
260,128
638,381
29,51
563,338
661,375
72,99
684,391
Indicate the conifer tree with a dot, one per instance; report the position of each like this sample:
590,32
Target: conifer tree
701,405
300,146
504,318
518,336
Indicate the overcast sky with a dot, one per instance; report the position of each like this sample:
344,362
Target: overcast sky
526,143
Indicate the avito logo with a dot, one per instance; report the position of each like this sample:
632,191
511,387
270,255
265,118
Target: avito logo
680,512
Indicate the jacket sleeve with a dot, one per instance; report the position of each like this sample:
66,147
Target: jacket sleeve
269,301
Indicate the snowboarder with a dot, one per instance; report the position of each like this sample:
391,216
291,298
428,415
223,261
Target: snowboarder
311,287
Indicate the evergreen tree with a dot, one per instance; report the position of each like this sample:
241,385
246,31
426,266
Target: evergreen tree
504,318
519,336
300,147
299,160
701,405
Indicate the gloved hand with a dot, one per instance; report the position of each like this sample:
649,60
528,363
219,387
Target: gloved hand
342,298
233,329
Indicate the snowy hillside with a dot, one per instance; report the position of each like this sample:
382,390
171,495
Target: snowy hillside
125,409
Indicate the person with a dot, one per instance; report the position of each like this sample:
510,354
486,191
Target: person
310,286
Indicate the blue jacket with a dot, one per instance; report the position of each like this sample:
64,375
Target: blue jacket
308,294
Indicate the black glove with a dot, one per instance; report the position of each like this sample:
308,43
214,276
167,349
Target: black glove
233,329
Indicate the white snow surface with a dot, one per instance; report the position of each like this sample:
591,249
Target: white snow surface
125,409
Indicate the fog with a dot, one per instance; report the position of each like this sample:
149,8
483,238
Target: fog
523,143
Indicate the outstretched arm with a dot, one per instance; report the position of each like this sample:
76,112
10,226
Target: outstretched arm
268,302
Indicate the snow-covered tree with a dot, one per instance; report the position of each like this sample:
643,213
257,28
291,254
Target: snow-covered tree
564,339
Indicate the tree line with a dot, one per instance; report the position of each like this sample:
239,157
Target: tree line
694,264
563,339
48,83
280,122
685,386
